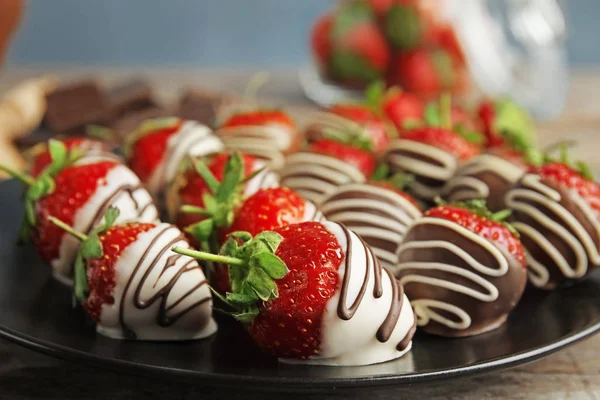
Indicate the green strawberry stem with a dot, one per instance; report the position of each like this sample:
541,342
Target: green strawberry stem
256,267
26,179
78,235
202,255
189,209
446,111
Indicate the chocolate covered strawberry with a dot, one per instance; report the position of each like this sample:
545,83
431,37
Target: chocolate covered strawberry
463,269
202,177
359,51
268,135
78,192
315,293
157,148
40,157
557,212
325,165
133,287
354,124
430,153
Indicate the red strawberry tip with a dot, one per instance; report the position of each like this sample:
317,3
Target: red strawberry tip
147,127
254,267
479,207
564,158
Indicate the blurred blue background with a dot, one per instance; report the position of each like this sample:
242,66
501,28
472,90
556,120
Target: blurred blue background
207,32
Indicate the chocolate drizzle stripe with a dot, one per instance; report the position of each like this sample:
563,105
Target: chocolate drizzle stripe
389,323
162,318
345,312
408,337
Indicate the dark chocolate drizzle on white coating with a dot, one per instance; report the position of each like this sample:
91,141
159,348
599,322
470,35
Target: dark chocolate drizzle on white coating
378,215
163,318
432,167
559,229
314,175
346,312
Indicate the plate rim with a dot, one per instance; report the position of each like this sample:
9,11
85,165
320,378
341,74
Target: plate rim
221,379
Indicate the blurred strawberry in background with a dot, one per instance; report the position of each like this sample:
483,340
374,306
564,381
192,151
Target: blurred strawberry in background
403,42
10,16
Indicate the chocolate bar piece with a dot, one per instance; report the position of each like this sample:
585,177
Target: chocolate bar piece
130,97
70,108
201,106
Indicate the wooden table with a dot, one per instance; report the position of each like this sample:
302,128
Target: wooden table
573,373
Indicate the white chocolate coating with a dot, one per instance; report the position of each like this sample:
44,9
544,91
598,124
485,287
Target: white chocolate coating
314,176
121,188
424,162
470,269
357,340
533,194
378,215
192,139
323,121
268,143
466,186
159,295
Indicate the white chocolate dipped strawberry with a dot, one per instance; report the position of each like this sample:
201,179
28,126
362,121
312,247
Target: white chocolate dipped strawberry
156,150
133,287
314,293
78,191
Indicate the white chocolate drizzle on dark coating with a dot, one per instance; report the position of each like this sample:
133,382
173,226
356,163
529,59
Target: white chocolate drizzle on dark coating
314,176
267,143
185,292
378,215
481,288
323,121
465,185
542,205
431,166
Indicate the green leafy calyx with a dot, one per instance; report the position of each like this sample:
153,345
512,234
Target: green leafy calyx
254,267
43,184
220,202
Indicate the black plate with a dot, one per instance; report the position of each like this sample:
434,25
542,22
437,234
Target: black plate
35,311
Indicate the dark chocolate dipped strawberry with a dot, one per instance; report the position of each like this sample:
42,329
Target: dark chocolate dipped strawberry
556,209
157,148
356,124
133,287
380,212
314,293
431,153
78,191
463,269
268,135
325,165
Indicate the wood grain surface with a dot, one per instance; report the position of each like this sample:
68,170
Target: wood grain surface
573,373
